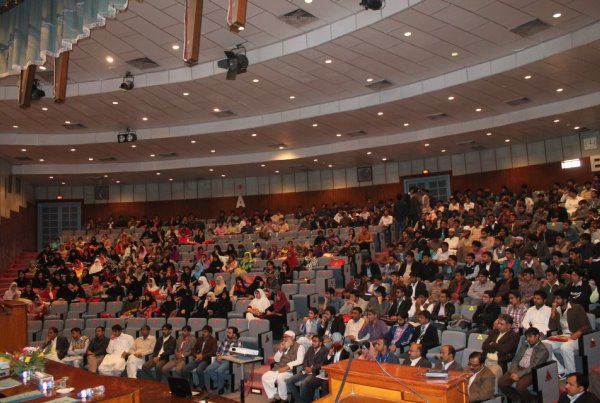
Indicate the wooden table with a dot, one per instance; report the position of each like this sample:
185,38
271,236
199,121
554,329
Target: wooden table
117,389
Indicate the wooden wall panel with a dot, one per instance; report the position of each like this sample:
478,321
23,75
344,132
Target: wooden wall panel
17,234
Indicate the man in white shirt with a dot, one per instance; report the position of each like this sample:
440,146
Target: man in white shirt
421,304
538,315
143,346
288,355
113,363
452,241
354,324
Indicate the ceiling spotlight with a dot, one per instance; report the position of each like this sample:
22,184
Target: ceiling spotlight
379,113
115,102
425,171
213,151
450,98
527,77
408,33
406,124
316,160
133,146
216,110
281,147
185,94
556,120
152,155
211,169
175,47
454,54
110,59
338,135
72,150
488,134
328,61
170,179
106,176
263,165
51,177
559,90
507,141
90,159
144,118
308,1
193,141
44,109
384,159
67,122
223,175
369,80
330,166
23,149
478,110
371,4
42,68
15,127
315,124
292,97
576,128
276,172
255,80
63,183
443,151
253,134
158,174
117,182
36,90
556,15
426,144
127,83
236,62
369,153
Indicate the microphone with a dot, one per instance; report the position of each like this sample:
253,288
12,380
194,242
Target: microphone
351,347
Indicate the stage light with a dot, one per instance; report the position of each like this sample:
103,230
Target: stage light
372,4
127,83
36,91
236,62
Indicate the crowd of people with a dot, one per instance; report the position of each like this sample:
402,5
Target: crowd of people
524,260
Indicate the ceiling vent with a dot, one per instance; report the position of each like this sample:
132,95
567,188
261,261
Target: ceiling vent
298,18
142,63
357,133
107,159
530,28
167,155
223,114
518,101
437,116
466,143
23,158
379,85
74,126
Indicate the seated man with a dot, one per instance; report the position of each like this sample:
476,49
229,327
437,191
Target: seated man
373,328
313,360
113,363
442,311
383,354
501,345
163,349
335,354
202,353
220,367
354,325
416,357
97,350
538,315
447,356
58,345
531,354
570,320
425,334
183,349
142,346
482,382
289,354
77,348
576,386
400,334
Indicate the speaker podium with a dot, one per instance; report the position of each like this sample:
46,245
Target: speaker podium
367,382
13,322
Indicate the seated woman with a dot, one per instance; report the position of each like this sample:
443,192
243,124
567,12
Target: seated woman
256,284
21,280
97,289
231,265
247,263
239,289
215,264
167,307
149,308
258,306
37,310
276,314
153,289
13,292
220,286
286,273
131,306
39,282
28,293
203,287
48,294
219,307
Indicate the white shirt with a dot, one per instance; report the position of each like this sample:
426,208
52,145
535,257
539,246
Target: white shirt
414,362
448,364
352,327
299,357
411,311
120,344
537,318
575,397
162,348
386,220
472,378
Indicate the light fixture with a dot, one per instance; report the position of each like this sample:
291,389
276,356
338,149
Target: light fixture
407,33
67,122
567,164
72,150
216,110
308,1
315,124
44,109
328,61
15,127
145,118
263,165
478,110
193,141
379,113
253,134
115,102
507,140
369,80
213,151
454,54
36,90
488,134
369,153
425,171
110,59
556,15
117,182
59,197
43,68
292,97
406,124
255,80
23,149
556,120
443,151
559,90
63,183
371,4
175,47
316,160
158,174
338,135
223,175
170,179
127,83
576,128
330,166
426,144
450,98
211,169
51,177
276,172
185,94
384,159
236,62
152,155
90,159
281,147
106,176
133,146
527,77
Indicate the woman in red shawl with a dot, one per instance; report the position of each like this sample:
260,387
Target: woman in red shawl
277,315
291,259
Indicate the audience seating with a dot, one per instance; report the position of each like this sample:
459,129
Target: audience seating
259,337
452,337
476,340
94,309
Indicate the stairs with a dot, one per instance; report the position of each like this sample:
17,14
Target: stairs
9,274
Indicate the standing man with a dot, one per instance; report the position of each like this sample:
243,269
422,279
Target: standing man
286,358
163,349
185,342
531,354
113,363
219,367
202,353
311,365
97,350
142,346
77,348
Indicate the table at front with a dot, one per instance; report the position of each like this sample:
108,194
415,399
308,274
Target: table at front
367,382
241,360
118,389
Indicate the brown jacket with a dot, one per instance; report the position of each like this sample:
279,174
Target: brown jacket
576,319
208,349
483,387
506,346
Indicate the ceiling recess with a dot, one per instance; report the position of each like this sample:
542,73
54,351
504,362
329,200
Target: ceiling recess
298,18
530,28
142,63
379,85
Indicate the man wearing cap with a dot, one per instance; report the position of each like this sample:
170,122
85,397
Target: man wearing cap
289,354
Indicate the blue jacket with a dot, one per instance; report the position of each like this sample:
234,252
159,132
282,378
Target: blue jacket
404,339
389,358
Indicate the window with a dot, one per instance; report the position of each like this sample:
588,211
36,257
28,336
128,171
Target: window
54,218
438,186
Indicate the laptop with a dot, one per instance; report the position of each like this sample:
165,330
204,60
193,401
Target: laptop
181,387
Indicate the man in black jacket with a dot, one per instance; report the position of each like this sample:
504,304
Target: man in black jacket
58,346
313,359
576,386
335,354
486,313
370,269
442,311
97,350
425,334
331,323
163,349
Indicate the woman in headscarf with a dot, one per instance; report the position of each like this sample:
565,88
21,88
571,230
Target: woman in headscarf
48,294
258,306
286,273
97,290
149,306
291,259
167,307
153,289
239,289
258,282
220,286
37,310
247,263
203,287
13,292
131,306
219,307
277,315
231,265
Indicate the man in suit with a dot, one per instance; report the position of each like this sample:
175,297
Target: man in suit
447,355
313,359
416,357
486,313
163,350
370,269
331,323
185,343
97,349
501,345
400,304
530,355
335,354
442,311
482,382
459,287
576,386
425,334
415,286
202,352
570,320
58,346
384,355
400,334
